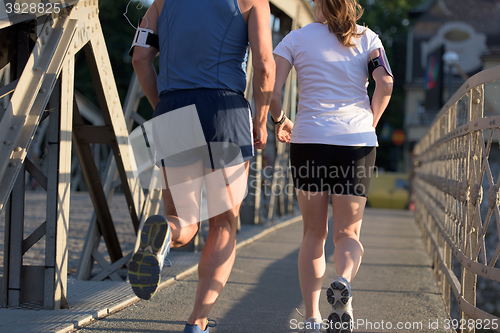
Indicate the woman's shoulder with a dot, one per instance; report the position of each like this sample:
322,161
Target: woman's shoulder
309,28
368,39
366,31
306,32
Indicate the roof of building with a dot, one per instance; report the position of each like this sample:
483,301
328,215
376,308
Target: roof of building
421,8
482,15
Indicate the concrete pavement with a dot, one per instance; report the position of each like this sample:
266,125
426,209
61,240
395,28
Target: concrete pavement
394,291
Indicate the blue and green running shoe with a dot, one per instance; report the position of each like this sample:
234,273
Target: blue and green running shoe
144,270
195,329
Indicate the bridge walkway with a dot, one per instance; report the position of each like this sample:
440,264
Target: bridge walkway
395,286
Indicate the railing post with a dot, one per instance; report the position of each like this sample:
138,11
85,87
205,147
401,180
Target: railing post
469,278
14,229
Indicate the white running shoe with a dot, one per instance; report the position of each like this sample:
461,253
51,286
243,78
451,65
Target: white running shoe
312,325
339,295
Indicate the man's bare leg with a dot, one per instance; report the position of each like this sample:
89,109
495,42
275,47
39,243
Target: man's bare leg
188,200
217,257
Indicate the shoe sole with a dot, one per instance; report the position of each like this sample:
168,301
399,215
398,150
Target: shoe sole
144,269
339,321
338,291
339,324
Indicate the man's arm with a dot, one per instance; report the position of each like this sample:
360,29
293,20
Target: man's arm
260,38
143,58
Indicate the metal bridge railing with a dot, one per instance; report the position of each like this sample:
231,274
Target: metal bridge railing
456,193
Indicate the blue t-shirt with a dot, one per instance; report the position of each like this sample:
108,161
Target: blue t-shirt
203,44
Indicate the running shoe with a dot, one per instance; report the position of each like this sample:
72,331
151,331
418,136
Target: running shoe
311,325
196,329
144,270
339,295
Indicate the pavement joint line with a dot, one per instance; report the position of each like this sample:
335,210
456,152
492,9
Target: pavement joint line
186,273
134,299
121,305
100,314
269,230
83,321
68,329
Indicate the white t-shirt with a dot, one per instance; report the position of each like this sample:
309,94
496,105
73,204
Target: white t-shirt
334,106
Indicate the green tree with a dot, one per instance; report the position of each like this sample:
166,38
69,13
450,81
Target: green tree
388,18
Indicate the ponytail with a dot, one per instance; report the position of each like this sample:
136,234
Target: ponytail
341,17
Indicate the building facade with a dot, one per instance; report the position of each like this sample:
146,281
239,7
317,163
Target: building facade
449,41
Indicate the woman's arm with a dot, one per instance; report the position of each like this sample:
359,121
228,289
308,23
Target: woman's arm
383,90
283,131
283,68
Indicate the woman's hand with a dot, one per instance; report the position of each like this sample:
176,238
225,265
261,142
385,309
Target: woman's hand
284,131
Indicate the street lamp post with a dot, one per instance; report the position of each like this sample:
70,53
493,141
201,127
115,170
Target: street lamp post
450,59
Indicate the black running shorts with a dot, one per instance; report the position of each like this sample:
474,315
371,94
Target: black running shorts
343,170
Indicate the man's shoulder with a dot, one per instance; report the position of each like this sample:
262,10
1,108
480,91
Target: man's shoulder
247,7
253,3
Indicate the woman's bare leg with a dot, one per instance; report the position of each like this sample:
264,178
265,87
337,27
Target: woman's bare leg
311,262
347,218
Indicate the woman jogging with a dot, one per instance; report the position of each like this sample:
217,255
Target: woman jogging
332,145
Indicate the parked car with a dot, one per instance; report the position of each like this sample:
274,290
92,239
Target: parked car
389,190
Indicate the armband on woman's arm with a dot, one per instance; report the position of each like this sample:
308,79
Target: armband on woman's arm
380,61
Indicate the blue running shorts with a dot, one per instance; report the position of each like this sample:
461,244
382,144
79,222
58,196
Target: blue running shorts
225,119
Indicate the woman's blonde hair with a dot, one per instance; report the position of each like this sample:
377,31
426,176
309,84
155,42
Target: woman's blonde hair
341,17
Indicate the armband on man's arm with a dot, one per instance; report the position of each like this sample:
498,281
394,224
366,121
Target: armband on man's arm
144,38
380,61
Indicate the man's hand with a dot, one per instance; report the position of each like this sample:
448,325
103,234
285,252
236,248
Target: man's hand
259,135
